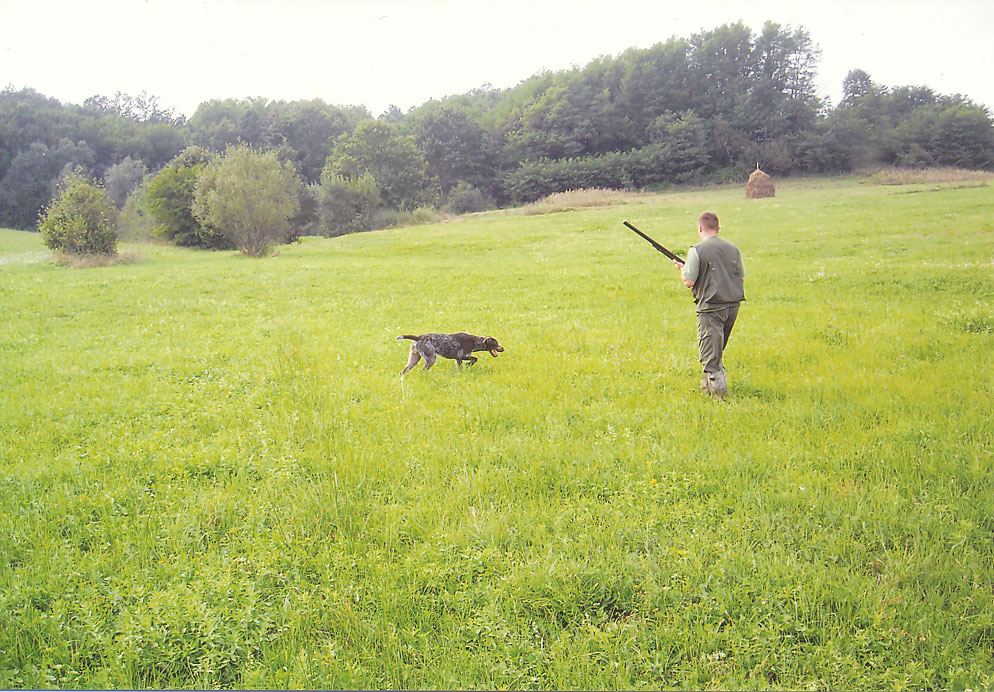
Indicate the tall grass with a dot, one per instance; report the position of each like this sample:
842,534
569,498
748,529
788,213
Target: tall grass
911,176
211,474
581,199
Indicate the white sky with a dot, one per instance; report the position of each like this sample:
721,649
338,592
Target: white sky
382,52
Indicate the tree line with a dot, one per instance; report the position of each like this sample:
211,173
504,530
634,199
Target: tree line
701,109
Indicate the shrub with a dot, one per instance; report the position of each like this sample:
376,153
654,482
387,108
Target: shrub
385,217
81,220
654,165
170,200
775,156
960,136
348,205
307,220
135,221
423,215
121,178
249,197
466,199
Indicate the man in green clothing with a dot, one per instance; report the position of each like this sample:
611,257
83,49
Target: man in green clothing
715,274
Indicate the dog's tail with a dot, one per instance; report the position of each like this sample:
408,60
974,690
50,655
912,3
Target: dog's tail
406,336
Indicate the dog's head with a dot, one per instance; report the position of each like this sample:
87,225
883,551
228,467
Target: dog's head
490,344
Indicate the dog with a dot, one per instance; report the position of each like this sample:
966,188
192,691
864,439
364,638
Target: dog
458,346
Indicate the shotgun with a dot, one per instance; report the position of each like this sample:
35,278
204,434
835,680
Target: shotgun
655,244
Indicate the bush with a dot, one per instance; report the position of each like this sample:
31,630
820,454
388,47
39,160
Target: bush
81,220
466,199
135,222
680,159
385,217
348,205
169,198
121,178
961,136
423,215
775,157
249,197
307,220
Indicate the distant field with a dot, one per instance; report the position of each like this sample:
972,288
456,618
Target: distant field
211,474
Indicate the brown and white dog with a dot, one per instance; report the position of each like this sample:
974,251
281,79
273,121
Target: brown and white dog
458,346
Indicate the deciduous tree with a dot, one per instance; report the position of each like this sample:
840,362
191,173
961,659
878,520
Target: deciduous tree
33,176
400,170
455,147
250,197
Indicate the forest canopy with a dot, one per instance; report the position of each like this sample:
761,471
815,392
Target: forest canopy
705,108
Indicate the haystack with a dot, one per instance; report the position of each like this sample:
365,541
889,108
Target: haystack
760,185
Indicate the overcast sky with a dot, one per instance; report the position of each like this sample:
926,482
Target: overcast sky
380,52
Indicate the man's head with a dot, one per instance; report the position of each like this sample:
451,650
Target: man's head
707,224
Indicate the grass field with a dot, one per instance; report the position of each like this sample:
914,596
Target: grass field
211,474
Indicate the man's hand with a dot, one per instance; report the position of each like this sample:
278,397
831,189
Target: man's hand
679,265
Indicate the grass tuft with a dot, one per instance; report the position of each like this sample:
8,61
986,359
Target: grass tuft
86,261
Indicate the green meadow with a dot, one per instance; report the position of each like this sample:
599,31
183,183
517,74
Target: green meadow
212,475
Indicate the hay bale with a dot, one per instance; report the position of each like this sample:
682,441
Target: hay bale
760,185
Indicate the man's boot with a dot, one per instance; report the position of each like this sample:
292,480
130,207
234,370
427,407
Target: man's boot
718,385
705,384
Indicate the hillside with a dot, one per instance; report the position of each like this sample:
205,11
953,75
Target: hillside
211,474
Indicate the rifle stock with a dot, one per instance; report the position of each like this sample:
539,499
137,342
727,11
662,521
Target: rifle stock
654,243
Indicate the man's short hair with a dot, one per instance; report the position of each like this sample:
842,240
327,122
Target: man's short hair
708,221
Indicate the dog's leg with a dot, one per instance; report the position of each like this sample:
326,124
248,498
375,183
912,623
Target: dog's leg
427,352
415,357
471,359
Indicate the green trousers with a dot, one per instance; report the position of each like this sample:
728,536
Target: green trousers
713,330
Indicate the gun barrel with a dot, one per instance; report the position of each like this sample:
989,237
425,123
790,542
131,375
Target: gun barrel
654,243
